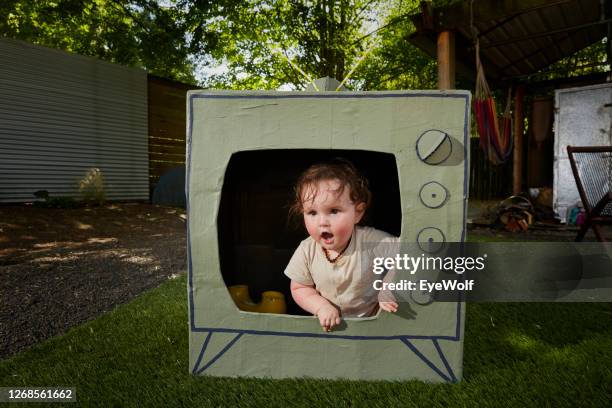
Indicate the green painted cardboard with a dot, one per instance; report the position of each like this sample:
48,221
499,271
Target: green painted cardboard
427,131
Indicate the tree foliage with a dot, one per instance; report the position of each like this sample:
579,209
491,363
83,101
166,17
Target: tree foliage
590,60
265,43
395,63
137,33
258,44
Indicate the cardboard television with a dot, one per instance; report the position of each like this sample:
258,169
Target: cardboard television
245,150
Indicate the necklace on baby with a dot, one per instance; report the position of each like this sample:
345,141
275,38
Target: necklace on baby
332,261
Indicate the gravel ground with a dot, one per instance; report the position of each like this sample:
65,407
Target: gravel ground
62,267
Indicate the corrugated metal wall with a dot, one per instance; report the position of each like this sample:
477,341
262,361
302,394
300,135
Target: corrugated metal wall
62,114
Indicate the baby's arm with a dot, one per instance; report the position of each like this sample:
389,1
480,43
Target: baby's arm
310,300
386,300
389,247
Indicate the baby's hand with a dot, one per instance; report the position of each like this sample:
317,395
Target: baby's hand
388,306
329,316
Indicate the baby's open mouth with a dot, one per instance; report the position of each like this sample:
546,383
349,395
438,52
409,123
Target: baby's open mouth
327,235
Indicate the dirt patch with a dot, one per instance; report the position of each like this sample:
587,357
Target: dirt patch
60,268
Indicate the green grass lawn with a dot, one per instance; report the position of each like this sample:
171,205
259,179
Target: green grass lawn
516,354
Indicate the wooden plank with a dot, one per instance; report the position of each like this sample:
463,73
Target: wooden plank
169,93
167,123
161,98
169,111
167,156
446,60
167,141
167,149
162,134
518,141
165,162
486,10
167,132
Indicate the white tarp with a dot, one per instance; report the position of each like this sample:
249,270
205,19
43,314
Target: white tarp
581,119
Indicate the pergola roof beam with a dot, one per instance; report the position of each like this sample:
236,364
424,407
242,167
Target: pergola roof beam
546,33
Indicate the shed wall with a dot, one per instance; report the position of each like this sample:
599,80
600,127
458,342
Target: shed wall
62,114
581,119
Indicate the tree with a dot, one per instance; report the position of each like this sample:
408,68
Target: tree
266,43
138,33
395,63
263,44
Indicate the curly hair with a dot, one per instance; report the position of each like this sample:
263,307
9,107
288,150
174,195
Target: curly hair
339,169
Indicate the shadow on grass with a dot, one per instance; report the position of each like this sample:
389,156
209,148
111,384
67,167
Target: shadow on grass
497,334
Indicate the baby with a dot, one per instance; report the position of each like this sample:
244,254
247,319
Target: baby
327,278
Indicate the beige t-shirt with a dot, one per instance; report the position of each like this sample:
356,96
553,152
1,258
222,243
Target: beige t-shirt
347,283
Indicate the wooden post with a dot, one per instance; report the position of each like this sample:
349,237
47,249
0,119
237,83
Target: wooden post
517,157
446,60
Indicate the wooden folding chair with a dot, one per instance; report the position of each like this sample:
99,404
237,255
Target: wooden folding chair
592,168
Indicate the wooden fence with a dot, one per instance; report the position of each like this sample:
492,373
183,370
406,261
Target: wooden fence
488,181
167,124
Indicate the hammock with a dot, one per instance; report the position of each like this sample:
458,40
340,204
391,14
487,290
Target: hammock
495,136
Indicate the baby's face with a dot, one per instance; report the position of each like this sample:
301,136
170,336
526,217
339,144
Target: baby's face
330,217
